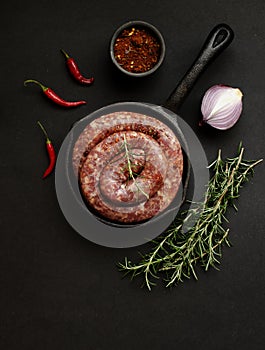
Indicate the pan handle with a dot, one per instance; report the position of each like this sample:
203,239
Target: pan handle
218,39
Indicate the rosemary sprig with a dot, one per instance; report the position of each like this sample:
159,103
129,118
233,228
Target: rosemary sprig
130,168
175,254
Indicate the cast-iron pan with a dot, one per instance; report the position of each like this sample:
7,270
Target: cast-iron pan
105,233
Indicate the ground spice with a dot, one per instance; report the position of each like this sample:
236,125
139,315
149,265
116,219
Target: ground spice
136,50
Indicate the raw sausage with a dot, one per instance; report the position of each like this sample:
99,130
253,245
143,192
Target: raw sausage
129,166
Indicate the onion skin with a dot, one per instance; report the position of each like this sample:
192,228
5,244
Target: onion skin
221,106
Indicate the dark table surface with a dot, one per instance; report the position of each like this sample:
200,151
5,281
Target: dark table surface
60,291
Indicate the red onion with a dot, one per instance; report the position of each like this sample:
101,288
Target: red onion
221,106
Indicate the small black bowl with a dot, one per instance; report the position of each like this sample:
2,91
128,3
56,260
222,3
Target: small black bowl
150,29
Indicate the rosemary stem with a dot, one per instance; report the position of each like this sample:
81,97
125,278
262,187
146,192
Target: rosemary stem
131,175
176,253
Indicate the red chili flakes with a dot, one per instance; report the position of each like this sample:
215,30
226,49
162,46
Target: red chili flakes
136,50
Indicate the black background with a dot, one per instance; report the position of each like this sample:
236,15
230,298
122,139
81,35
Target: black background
59,291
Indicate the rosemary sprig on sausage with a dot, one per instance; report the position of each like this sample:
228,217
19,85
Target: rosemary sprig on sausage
130,166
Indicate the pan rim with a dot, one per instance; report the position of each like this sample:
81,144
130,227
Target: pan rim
160,112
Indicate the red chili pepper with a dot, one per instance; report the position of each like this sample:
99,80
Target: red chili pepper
74,70
51,152
54,97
